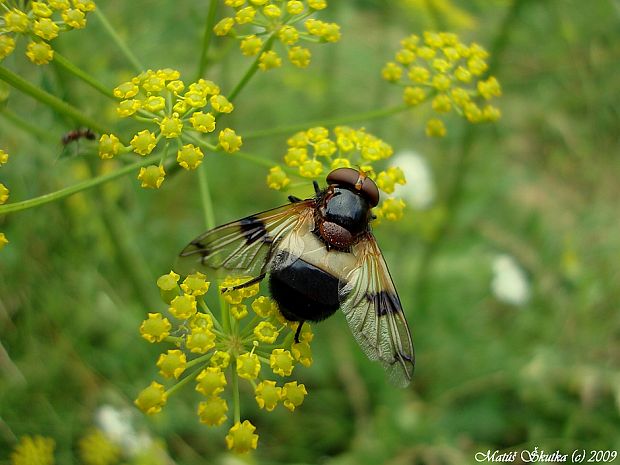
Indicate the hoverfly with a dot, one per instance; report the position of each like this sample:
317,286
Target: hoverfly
319,255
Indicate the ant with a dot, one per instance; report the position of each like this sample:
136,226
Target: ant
77,134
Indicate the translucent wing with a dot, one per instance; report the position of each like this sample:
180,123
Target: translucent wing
244,247
374,313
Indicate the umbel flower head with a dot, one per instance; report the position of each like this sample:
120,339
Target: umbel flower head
441,69
313,153
95,448
255,23
40,22
176,113
33,450
249,341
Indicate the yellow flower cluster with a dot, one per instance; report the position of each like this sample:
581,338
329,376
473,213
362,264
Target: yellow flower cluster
95,448
315,152
255,22
40,22
4,195
33,450
178,112
440,68
214,353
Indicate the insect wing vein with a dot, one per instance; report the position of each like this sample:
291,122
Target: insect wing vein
374,313
243,247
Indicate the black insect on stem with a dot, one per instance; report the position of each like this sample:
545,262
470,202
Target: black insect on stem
76,134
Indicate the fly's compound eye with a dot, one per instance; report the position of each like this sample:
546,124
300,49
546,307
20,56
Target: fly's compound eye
357,181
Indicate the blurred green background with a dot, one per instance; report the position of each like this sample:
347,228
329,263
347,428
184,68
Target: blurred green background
541,186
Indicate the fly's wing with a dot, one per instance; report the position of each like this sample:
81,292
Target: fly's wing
244,247
374,313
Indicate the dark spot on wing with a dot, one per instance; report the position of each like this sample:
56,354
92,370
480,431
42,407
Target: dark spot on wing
384,302
253,229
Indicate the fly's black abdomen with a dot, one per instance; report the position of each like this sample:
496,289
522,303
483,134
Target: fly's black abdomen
304,292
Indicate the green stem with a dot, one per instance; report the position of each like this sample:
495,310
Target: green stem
27,126
50,100
206,309
344,119
118,41
205,196
251,70
235,390
77,72
81,186
192,376
201,359
206,40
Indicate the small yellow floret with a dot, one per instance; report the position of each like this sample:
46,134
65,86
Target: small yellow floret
293,395
241,438
196,283
251,45
311,169
264,306
266,332
74,18
212,412
281,362
200,340
203,122
172,364
224,26
40,53
152,399
221,104
4,194
155,328
299,56
16,21
45,28
183,306
211,381
248,366
277,178
229,140
152,176
171,126
267,395
144,142
269,60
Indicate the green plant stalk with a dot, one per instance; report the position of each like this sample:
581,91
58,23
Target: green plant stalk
206,40
50,100
118,41
79,187
235,390
65,64
28,127
454,194
251,70
184,381
205,196
345,119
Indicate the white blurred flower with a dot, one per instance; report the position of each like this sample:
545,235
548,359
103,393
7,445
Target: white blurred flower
116,425
420,189
509,284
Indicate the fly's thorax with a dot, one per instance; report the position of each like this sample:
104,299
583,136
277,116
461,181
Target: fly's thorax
342,215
